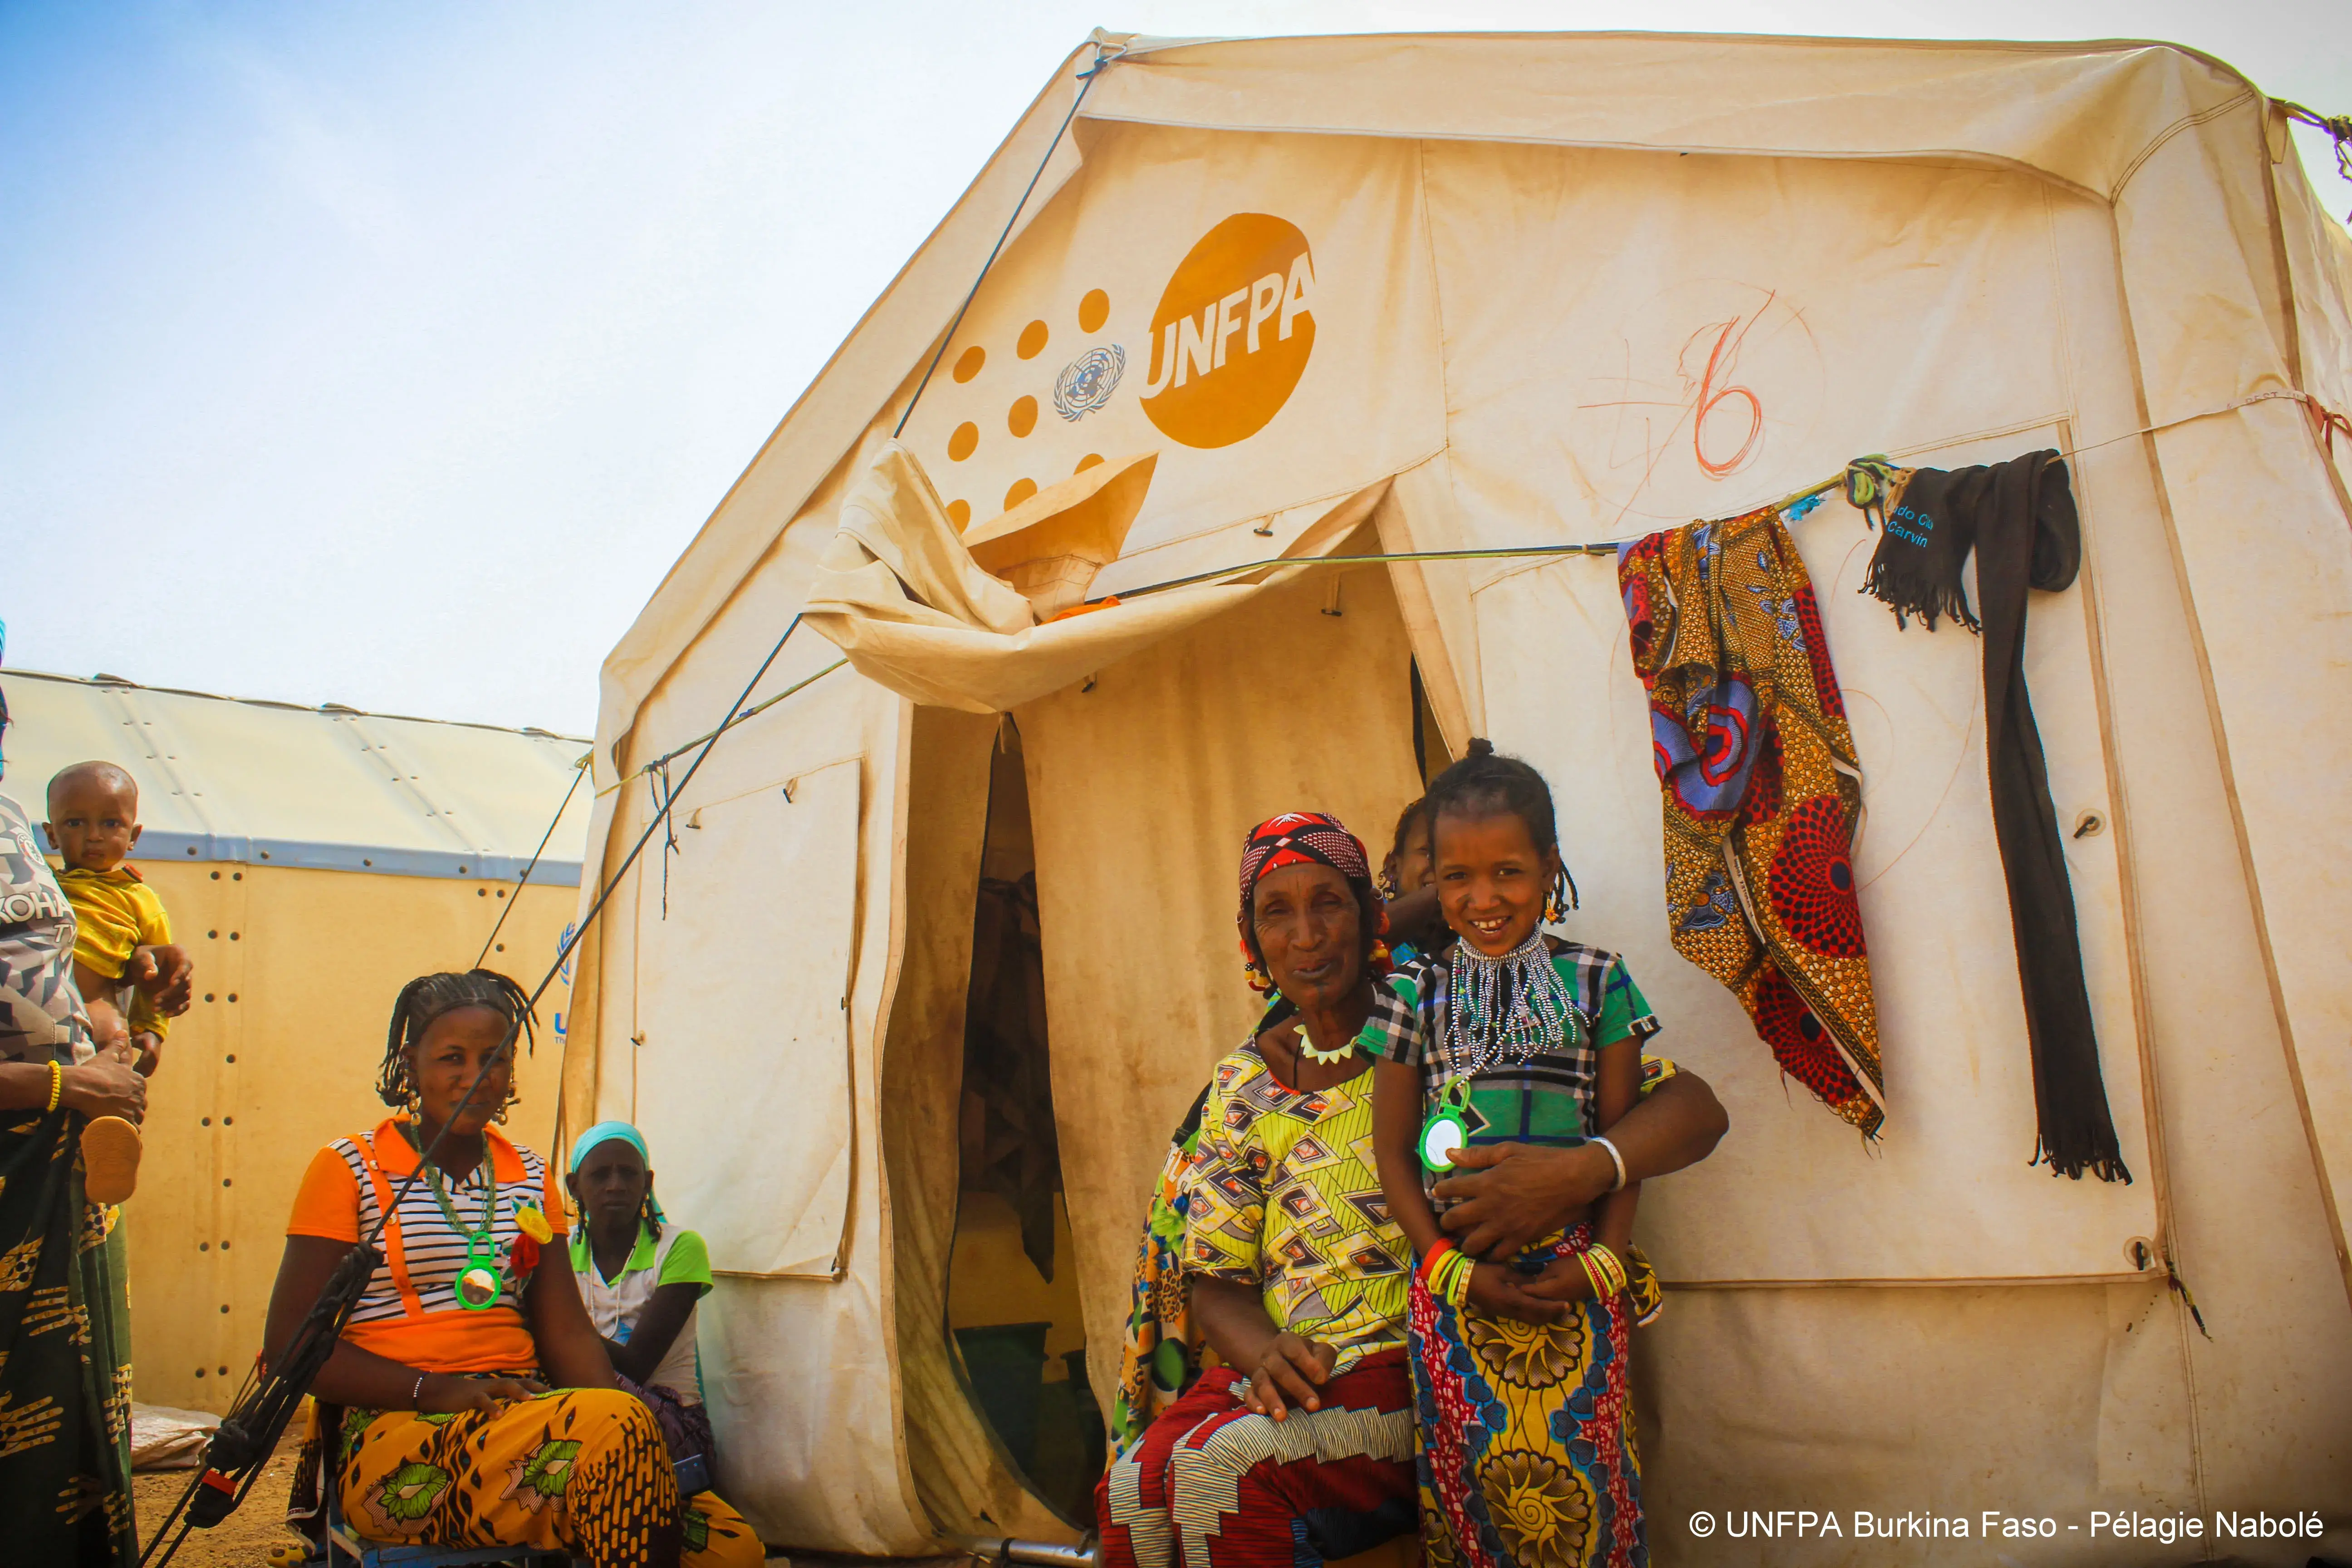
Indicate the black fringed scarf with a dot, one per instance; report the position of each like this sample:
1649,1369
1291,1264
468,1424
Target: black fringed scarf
2019,519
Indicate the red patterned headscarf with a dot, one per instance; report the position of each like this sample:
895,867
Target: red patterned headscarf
1302,838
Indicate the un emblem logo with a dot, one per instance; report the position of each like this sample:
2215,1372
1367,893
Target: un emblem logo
1087,382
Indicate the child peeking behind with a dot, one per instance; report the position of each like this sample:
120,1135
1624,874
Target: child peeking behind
123,953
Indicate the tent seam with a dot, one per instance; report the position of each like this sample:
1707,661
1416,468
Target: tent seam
2186,123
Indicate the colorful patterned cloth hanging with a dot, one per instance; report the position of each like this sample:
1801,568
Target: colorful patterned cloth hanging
1762,792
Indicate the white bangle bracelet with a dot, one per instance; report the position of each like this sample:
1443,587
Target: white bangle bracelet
1616,1159
418,1392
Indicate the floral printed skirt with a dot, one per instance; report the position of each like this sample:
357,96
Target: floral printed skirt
1527,1454
583,1470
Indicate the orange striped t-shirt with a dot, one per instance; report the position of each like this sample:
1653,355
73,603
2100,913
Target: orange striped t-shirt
409,1312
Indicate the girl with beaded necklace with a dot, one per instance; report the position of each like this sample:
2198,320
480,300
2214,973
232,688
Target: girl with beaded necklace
1519,1364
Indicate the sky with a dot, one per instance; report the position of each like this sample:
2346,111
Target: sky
389,355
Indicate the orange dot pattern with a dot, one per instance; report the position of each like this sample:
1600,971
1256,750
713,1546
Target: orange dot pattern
960,514
1021,417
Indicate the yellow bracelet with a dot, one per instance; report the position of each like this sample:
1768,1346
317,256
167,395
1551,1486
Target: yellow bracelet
1610,1280
57,1087
1457,1283
1449,1281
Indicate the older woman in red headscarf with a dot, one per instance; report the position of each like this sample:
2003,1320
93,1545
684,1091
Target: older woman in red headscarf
1303,1437
1269,1243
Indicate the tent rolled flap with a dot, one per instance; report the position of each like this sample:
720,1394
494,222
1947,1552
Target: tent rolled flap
1051,546
915,609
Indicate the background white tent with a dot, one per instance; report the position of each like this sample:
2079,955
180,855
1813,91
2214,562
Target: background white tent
313,862
1456,292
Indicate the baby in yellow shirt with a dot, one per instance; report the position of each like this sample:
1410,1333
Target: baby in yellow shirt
123,951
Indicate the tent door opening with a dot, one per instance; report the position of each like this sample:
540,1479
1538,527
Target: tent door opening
1012,1293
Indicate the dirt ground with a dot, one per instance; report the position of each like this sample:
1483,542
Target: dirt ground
243,1540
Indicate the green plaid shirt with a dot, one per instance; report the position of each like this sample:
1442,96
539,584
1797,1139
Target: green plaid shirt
1549,1099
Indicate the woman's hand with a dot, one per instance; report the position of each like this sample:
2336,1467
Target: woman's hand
1495,1290
109,1035
1563,1279
104,1087
443,1394
1290,1372
1505,1195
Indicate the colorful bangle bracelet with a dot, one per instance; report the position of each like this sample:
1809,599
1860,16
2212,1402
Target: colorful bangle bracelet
57,1087
1431,1260
1602,1268
1457,1282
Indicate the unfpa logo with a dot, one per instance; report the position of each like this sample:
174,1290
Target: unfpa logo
1231,335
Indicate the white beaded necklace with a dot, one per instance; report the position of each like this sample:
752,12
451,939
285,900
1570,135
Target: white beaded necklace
1506,1010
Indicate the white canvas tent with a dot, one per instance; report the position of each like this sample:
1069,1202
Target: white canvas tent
1483,292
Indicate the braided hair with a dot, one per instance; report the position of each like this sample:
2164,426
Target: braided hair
427,997
1487,784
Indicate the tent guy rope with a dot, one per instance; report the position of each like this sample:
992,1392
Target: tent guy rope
579,772
1103,57
1864,497
269,1395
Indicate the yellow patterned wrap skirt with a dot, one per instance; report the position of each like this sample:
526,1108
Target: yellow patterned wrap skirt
583,1470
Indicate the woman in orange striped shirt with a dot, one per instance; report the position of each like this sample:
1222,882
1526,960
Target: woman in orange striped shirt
478,1408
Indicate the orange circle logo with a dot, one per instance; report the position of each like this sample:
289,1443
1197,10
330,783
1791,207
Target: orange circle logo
1233,332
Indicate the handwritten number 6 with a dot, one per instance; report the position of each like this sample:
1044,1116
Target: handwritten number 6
1709,396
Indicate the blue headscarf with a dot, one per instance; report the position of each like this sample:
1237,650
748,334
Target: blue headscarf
604,1132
